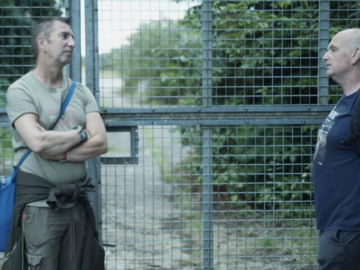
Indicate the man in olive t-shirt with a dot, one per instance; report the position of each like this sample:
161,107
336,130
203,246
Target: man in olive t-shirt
53,239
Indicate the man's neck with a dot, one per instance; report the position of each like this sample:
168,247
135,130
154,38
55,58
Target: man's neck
351,87
350,83
50,76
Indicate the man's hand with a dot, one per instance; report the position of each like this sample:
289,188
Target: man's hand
95,145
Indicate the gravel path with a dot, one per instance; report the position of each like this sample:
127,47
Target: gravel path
139,214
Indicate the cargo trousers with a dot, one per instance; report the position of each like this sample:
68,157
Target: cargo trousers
54,239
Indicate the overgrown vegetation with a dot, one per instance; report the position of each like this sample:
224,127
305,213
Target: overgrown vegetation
264,53
160,62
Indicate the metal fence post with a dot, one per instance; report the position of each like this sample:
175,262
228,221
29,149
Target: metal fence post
324,26
73,11
92,82
207,139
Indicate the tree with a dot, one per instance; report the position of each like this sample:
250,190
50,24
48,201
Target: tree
159,61
265,53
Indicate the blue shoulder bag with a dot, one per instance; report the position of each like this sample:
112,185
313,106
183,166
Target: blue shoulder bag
8,185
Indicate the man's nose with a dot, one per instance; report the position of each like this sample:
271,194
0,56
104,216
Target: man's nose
325,56
72,43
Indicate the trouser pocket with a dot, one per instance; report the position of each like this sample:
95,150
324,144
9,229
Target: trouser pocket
331,253
34,261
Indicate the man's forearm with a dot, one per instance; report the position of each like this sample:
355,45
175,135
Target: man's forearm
95,144
93,147
87,150
53,143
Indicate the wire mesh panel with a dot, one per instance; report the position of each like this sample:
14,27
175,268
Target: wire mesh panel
262,52
263,216
152,52
204,195
17,18
7,151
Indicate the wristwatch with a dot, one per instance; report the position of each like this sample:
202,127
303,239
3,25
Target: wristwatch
82,133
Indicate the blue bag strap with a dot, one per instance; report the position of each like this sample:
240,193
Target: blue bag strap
66,102
20,163
62,110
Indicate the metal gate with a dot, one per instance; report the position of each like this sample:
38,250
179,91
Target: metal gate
212,109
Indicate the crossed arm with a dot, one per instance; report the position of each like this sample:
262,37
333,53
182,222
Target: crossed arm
53,144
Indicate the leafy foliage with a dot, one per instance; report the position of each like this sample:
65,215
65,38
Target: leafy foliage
264,53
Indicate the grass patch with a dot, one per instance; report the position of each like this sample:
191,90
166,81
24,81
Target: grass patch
191,215
188,262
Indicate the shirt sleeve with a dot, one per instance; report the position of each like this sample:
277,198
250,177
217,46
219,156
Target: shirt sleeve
90,102
19,102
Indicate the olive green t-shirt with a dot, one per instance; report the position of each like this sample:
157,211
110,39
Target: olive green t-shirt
29,95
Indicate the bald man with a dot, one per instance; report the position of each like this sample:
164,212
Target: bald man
336,165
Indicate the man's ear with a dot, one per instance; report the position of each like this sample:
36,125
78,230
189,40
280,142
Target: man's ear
355,56
41,42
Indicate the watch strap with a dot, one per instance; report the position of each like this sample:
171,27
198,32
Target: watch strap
82,133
